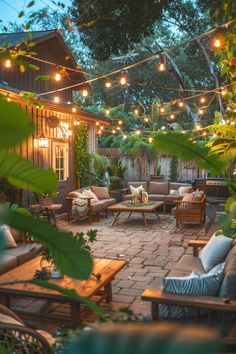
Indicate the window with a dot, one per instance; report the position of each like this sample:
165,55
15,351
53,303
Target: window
60,160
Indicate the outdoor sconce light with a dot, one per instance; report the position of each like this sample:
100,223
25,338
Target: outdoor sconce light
42,141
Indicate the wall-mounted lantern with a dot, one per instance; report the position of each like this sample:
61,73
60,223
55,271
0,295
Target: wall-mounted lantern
42,141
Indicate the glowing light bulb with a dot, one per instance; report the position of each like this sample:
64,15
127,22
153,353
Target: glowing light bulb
108,84
99,132
84,93
125,137
102,127
8,98
150,139
180,103
204,133
8,63
120,122
97,124
172,116
163,127
117,128
161,67
202,100
123,80
107,111
223,92
200,111
136,111
146,119
56,99
138,132
69,102
73,109
217,43
76,122
57,76
113,131
69,133
162,109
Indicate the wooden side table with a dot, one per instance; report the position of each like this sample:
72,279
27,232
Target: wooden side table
48,211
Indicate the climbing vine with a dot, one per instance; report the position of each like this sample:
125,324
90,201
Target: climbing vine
174,169
82,156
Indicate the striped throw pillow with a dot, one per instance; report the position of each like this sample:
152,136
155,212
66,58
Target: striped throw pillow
195,285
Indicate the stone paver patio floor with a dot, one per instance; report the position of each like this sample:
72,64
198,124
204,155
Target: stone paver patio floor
150,251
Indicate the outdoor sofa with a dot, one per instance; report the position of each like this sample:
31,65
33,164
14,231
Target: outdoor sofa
161,191
24,251
93,207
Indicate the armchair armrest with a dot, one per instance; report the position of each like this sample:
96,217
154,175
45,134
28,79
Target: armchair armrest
196,244
157,297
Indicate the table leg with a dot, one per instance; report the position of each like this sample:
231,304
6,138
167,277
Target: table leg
157,215
130,215
144,219
108,292
75,314
53,216
116,218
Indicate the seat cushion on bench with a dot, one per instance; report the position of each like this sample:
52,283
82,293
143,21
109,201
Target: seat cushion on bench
24,252
8,262
158,188
108,202
189,263
171,198
96,207
157,197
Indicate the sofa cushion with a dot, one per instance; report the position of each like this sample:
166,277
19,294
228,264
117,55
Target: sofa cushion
75,194
101,192
109,201
8,262
228,287
215,251
16,234
184,190
175,185
158,188
6,235
96,207
170,198
138,184
25,252
135,191
196,284
156,197
189,263
87,193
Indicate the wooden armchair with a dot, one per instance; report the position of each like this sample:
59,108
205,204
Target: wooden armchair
16,337
224,308
191,211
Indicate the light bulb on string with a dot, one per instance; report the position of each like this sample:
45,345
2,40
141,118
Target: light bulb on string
108,84
217,42
150,139
8,63
8,98
73,109
97,124
76,122
172,116
125,137
107,112
138,132
123,79
56,99
223,91
146,119
180,103
69,103
162,109
200,111
102,127
136,111
120,122
84,93
99,132
113,131
162,65
58,76
117,128
202,100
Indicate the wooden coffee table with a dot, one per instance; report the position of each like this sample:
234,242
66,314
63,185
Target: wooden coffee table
97,288
149,208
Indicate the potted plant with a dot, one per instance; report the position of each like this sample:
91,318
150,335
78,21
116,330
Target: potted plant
157,173
117,174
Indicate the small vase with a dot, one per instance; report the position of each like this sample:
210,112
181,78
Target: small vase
56,273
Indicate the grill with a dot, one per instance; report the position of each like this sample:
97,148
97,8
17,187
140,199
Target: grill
217,188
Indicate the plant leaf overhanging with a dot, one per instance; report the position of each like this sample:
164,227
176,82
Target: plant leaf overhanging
182,146
66,251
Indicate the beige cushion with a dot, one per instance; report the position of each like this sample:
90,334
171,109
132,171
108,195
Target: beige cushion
170,198
101,192
8,262
7,236
188,198
135,191
184,190
138,184
96,207
25,252
158,188
197,196
189,263
109,201
174,192
88,193
157,197
16,235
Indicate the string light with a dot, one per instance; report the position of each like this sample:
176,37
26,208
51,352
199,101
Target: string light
136,111
223,91
198,126
123,80
56,99
161,66
97,124
76,122
108,84
102,127
84,93
217,42
118,128
146,119
99,132
202,100
113,131
125,137
138,132
8,98
180,103
120,122
58,76
150,139
172,116
162,109
69,102
8,64
200,111
107,112
73,109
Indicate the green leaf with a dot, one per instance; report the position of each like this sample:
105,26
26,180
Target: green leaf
13,116
180,145
66,251
33,67
42,77
31,3
23,174
21,14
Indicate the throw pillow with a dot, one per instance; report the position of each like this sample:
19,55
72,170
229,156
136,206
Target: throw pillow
215,251
90,194
135,190
6,234
198,195
194,285
174,192
188,197
101,192
184,190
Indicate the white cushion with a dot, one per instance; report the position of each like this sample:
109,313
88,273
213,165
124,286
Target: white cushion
174,192
135,190
215,251
183,190
88,193
6,234
195,285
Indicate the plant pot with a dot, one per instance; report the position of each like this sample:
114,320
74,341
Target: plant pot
157,178
56,273
117,194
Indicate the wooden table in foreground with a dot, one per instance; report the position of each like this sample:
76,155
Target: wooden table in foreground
97,288
149,208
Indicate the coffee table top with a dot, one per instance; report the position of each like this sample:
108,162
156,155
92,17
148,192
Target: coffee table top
142,207
107,268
